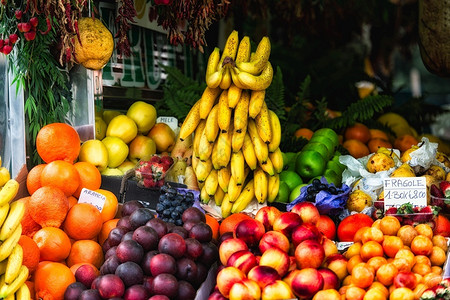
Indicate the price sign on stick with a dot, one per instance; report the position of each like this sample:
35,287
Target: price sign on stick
401,190
91,197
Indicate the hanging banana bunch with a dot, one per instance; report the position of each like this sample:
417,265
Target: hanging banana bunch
236,136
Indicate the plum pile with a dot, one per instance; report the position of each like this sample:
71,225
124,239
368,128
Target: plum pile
172,204
147,258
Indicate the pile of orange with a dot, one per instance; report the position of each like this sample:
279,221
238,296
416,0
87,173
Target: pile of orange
58,232
385,249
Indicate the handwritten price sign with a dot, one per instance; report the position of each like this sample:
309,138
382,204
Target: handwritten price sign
401,190
91,197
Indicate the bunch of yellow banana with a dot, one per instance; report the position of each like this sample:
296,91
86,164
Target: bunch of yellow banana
236,155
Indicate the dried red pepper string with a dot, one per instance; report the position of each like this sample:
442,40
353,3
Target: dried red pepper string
49,27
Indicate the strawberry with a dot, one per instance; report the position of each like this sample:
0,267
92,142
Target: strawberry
445,282
445,188
166,165
149,182
423,215
391,211
436,192
155,158
167,159
428,294
377,214
379,204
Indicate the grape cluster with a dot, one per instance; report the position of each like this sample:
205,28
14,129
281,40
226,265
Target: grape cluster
172,203
316,186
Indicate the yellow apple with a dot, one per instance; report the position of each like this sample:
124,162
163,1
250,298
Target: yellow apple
108,115
100,128
4,176
94,152
163,136
111,172
122,127
142,147
117,150
126,165
144,114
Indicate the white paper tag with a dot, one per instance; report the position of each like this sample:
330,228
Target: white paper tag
91,197
171,121
401,190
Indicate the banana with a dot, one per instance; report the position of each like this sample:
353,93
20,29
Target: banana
226,206
237,140
234,190
226,81
8,245
204,147
223,177
249,152
231,47
246,196
224,113
273,187
261,183
263,124
261,149
3,265
207,100
213,81
268,167
191,122
8,289
218,196
197,135
204,197
234,77
276,158
215,156
16,212
5,175
253,82
202,170
224,148
275,125
259,59
194,163
23,293
238,167
4,209
234,94
241,112
256,102
244,50
8,191
13,264
211,183
212,125
10,297
213,75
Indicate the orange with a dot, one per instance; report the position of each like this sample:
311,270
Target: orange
436,270
29,226
214,224
83,222
328,294
34,178
75,267
402,294
377,223
440,241
378,134
405,142
72,201
110,206
406,254
391,245
53,243
371,249
90,177
372,234
356,148
106,228
421,245
31,253
48,206
407,233
442,226
347,281
358,235
229,223
305,133
354,293
401,264
431,279
51,280
437,256
380,286
362,276
386,274
86,251
353,250
389,225
58,141
421,269
376,262
62,175
352,262
375,143
419,289
422,259
357,131
30,285
424,229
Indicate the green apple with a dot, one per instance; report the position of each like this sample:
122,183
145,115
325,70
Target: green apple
318,147
283,193
309,164
143,114
331,147
291,178
94,152
108,115
122,127
296,192
141,148
288,160
332,177
117,150
332,165
329,133
335,159
111,172
100,128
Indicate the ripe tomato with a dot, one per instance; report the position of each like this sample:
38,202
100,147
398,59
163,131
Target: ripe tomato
347,228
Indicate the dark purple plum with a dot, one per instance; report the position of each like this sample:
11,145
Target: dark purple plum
189,225
225,236
127,236
185,291
186,269
147,237
145,264
140,216
115,235
201,232
163,263
202,273
170,226
193,214
159,297
210,254
159,226
216,295
136,292
86,274
180,230
110,286
125,223
130,273
110,265
130,250
147,283
111,252
74,290
94,284
90,294
194,248
165,284
130,206
172,244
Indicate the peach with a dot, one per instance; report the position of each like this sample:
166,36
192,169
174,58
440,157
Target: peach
245,289
292,263
277,290
272,239
330,279
267,216
216,295
263,275
230,246
288,278
277,259
327,294
306,282
250,231
244,260
329,247
338,264
226,278
307,212
405,279
305,232
309,254
286,223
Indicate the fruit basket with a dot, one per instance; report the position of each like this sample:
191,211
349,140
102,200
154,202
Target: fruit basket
440,196
151,173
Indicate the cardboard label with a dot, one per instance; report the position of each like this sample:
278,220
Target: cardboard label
91,197
401,190
171,121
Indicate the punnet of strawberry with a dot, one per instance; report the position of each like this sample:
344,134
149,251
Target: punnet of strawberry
151,173
440,195
439,291
408,214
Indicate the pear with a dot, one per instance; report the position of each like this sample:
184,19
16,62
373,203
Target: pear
436,171
388,151
404,170
358,200
178,168
380,162
406,156
190,179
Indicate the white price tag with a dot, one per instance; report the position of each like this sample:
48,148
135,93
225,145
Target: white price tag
401,190
91,197
171,121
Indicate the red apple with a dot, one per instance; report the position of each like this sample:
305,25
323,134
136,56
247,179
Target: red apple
272,239
230,246
245,289
309,254
405,279
250,231
267,216
277,259
330,279
307,212
244,260
338,264
286,223
277,290
226,278
306,282
305,232
263,275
